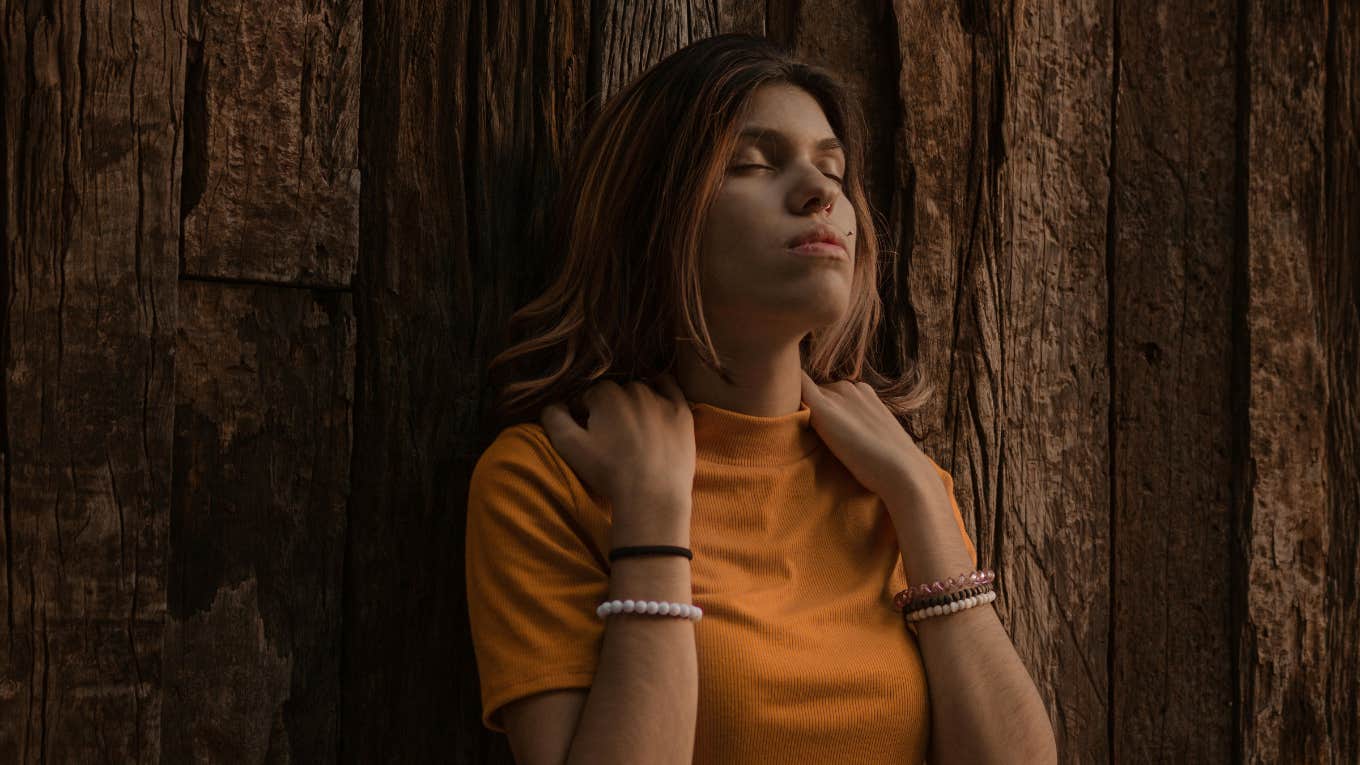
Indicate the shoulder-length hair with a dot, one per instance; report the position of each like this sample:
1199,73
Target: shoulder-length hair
628,218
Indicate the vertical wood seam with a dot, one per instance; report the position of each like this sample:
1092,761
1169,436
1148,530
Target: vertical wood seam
1340,735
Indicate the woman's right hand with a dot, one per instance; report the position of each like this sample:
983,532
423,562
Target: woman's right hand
637,450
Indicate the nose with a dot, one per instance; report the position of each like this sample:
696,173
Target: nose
814,192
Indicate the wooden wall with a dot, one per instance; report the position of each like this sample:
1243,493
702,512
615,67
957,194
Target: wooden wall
256,255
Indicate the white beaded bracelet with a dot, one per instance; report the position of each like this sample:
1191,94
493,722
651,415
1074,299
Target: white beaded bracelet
949,608
659,608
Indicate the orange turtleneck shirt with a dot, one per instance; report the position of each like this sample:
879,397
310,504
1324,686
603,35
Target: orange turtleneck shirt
802,655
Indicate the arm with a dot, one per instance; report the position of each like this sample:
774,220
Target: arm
985,707
643,702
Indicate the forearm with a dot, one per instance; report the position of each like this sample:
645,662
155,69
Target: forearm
643,702
984,705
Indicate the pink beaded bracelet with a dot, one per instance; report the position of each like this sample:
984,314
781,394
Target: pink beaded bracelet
904,599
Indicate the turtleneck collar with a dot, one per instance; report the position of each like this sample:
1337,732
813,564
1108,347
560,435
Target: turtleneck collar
722,435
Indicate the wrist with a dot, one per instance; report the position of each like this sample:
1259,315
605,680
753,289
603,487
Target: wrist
667,501
937,567
931,543
659,519
651,577
911,489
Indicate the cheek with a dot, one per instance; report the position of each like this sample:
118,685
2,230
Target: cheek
737,214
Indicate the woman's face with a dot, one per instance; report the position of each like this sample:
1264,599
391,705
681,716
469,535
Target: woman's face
777,187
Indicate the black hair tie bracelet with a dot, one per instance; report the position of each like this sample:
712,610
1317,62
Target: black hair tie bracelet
624,552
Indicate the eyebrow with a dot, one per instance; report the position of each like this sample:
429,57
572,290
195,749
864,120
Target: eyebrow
760,134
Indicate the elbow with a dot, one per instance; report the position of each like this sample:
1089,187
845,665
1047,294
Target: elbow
1037,752
1036,746
1032,748
1046,755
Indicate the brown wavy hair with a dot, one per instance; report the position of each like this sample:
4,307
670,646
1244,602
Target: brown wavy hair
630,271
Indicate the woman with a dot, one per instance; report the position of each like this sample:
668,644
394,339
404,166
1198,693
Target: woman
711,437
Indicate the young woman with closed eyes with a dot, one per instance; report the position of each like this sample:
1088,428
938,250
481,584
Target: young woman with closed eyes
694,420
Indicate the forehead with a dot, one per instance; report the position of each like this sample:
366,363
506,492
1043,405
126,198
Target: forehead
786,109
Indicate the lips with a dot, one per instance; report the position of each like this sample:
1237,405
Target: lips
820,250
820,233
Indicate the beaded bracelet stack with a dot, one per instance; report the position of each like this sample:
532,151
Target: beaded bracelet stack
947,596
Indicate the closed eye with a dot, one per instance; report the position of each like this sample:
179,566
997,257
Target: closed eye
836,178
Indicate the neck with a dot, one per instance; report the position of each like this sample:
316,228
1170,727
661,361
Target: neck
767,377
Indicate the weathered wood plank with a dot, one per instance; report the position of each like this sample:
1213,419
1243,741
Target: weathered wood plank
1007,132
1171,264
945,152
271,172
457,146
264,389
401,661
90,195
1339,276
1283,528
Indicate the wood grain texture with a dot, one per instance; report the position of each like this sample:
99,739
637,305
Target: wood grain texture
400,660
92,122
1283,531
1338,274
468,107
1170,270
633,36
271,187
1048,368
264,391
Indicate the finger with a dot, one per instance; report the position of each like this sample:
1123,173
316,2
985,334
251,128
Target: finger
670,387
600,390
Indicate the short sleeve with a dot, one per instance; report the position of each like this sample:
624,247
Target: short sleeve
899,575
534,577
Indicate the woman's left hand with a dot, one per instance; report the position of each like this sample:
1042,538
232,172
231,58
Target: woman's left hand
867,438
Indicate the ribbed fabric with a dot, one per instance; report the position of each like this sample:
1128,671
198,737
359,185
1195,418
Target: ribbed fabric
802,656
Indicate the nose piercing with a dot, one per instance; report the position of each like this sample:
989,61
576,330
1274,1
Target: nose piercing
828,209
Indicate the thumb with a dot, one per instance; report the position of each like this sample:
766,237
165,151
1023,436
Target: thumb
561,427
